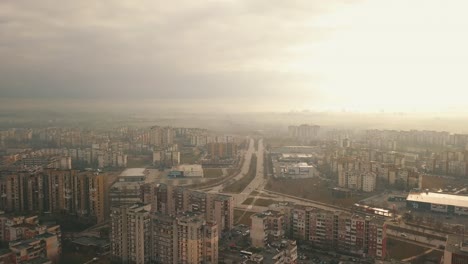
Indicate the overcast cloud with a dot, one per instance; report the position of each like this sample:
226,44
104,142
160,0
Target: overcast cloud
156,49
364,55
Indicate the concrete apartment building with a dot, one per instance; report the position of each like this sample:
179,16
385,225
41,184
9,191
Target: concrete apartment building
172,200
222,150
139,236
28,240
161,136
340,231
357,180
166,158
266,226
126,190
456,250
130,233
187,238
111,159
56,191
303,131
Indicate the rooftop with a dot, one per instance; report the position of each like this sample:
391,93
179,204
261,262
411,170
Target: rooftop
438,198
133,172
267,213
39,260
457,244
91,241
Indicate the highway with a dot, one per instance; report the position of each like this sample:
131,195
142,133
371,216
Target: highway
245,168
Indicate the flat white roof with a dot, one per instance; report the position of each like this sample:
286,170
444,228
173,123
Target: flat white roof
439,198
133,172
296,155
190,167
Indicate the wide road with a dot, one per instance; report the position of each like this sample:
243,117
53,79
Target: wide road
244,170
258,183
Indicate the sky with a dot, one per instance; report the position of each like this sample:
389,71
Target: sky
329,55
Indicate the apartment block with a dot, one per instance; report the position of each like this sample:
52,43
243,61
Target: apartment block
341,231
30,241
172,200
222,149
357,180
187,238
266,226
130,233
303,131
56,191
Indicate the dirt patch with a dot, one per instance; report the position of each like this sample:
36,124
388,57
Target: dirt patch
212,173
435,183
259,202
241,218
401,250
313,189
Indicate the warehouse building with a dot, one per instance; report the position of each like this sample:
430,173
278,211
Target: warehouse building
437,202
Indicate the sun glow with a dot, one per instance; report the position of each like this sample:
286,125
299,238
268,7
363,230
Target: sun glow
394,55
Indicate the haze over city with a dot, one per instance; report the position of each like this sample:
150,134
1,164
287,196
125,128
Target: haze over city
365,56
233,132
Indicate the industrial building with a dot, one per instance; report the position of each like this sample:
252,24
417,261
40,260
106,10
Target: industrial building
437,202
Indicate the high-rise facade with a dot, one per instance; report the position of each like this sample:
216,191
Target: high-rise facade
187,238
342,231
303,131
141,236
222,149
130,233
172,200
55,191
266,225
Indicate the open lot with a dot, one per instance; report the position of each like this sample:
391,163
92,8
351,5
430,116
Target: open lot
400,250
241,218
314,189
447,184
259,202
212,173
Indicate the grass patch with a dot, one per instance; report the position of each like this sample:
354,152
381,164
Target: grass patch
212,173
400,250
240,185
313,189
241,218
259,202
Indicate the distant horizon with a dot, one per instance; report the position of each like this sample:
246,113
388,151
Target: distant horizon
241,55
215,105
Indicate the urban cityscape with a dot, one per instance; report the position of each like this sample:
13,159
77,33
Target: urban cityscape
247,131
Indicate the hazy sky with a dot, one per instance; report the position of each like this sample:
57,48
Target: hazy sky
363,55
